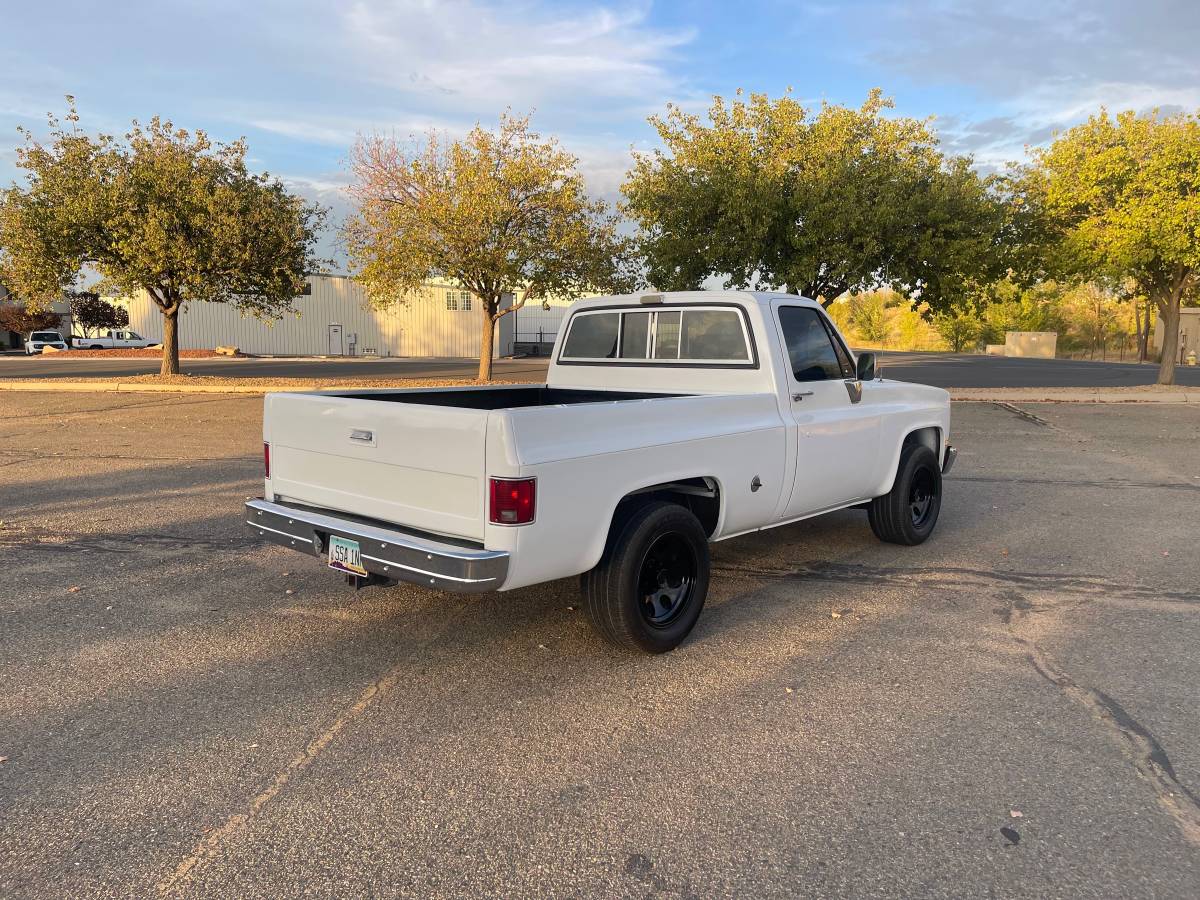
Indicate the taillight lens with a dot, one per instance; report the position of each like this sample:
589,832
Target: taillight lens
266,460
513,501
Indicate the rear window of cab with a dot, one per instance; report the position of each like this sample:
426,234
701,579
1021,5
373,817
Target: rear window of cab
694,335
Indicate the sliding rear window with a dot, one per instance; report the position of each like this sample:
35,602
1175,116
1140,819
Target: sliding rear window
694,335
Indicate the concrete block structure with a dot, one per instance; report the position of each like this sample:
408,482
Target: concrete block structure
1036,344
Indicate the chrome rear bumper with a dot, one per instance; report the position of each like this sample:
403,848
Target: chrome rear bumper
385,552
948,461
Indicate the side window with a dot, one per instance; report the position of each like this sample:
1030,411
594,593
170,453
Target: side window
809,347
635,335
666,335
712,334
451,299
592,337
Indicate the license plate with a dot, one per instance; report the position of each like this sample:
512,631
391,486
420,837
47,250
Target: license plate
344,556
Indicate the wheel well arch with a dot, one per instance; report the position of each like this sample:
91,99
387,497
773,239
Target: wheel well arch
701,495
929,436
921,435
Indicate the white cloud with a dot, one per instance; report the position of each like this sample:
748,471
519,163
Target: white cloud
477,56
1043,65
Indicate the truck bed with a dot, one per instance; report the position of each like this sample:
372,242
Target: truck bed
508,397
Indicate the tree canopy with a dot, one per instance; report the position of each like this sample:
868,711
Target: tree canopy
164,210
1120,198
497,211
768,192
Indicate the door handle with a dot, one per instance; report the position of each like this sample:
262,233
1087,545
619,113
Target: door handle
800,395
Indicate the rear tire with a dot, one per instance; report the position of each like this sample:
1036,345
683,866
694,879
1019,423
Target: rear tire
908,513
649,588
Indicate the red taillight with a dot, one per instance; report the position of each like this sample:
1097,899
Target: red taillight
513,501
266,460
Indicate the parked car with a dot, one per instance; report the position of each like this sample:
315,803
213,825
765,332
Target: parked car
112,340
39,340
667,421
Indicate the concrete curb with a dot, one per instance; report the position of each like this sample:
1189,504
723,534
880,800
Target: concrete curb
113,387
981,395
1082,395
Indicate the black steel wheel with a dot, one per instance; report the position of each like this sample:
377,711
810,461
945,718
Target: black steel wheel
908,513
649,588
667,579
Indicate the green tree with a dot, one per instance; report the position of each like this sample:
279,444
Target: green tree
495,212
91,312
959,327
869,317
166,211
770,193
1122,198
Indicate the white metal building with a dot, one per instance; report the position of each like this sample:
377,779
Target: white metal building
334,318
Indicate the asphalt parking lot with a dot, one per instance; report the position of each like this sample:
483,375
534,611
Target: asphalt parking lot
1009,709
948,370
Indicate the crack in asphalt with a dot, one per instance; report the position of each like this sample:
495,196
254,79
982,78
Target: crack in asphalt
210,846
1164,485
1139,744
1023,414
857,573
74,542
27,455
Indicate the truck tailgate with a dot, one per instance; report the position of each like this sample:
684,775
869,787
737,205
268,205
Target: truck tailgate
414,465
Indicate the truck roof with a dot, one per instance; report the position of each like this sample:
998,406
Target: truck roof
743,298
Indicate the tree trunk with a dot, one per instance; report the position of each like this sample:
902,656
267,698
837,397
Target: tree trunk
1168,307
1137,326
170,357
486,339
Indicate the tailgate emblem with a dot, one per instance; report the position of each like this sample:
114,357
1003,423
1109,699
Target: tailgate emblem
362,436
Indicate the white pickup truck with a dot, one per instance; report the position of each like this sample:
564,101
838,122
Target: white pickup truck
666,421
115,339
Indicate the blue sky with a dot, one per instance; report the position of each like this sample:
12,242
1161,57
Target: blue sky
299,78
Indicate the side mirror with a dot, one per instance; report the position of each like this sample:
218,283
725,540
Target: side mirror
865,369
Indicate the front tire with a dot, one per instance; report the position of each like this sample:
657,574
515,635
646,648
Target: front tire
908,513
648,590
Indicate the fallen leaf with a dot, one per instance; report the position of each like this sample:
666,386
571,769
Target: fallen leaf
789,690
835,615
73,589
1016,813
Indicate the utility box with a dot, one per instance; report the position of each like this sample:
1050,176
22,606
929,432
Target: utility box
1036,344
